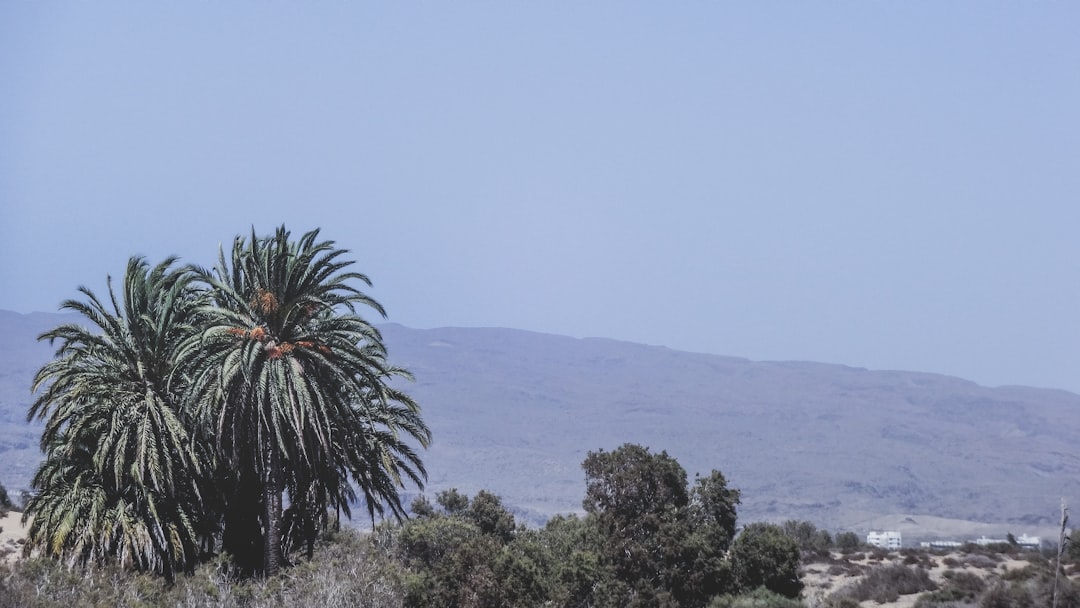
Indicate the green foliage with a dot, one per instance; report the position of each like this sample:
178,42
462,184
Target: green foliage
422,507
1072,546
808,537
764,556
660,541
486,511
201,396
647,540
571,550
639,502
471,554
848,542
452,501
297,386
123,474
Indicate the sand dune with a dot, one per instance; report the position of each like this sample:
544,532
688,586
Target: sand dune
12,534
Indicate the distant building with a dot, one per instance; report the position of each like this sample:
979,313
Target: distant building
941,544
888,539
1025,541
1029,542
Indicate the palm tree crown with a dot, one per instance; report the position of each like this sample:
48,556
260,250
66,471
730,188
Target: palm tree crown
121,471
296,387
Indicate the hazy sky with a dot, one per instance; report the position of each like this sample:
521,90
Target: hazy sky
885,185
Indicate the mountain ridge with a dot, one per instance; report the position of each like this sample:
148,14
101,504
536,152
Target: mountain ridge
515,412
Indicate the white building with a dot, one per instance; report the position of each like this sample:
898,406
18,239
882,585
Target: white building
888,539
1028,542
941,544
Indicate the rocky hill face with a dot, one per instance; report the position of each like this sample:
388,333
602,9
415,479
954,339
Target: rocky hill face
516,412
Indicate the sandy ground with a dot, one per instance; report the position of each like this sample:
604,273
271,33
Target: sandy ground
12,533
819,584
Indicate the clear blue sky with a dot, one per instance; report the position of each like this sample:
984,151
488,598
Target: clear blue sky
885,185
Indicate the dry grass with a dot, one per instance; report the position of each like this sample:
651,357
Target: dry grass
346,571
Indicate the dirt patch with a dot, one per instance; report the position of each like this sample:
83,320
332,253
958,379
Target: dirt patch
12,536
826,576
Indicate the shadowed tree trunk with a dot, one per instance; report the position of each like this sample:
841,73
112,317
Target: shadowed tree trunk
242,534
272,504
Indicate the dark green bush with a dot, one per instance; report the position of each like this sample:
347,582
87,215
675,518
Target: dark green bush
848,542
763,556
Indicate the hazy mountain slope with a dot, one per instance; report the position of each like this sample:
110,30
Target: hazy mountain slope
516,412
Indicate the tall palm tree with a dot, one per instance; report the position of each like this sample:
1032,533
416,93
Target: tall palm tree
122,472
295,387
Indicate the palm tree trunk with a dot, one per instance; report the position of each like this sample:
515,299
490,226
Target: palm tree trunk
242,534
272,505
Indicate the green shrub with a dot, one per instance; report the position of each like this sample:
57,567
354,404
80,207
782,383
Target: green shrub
848,542
763,556
812,542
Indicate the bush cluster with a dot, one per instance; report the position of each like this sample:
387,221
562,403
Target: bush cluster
648,539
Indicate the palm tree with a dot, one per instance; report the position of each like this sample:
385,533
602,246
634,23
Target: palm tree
122,472
295,388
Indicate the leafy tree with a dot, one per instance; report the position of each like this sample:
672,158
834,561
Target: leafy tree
763,556
807,536
471,555
639,501
713,519
848,542
660,541
715,503
572,547
123,473
486,511
294,387
422,507
452,501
